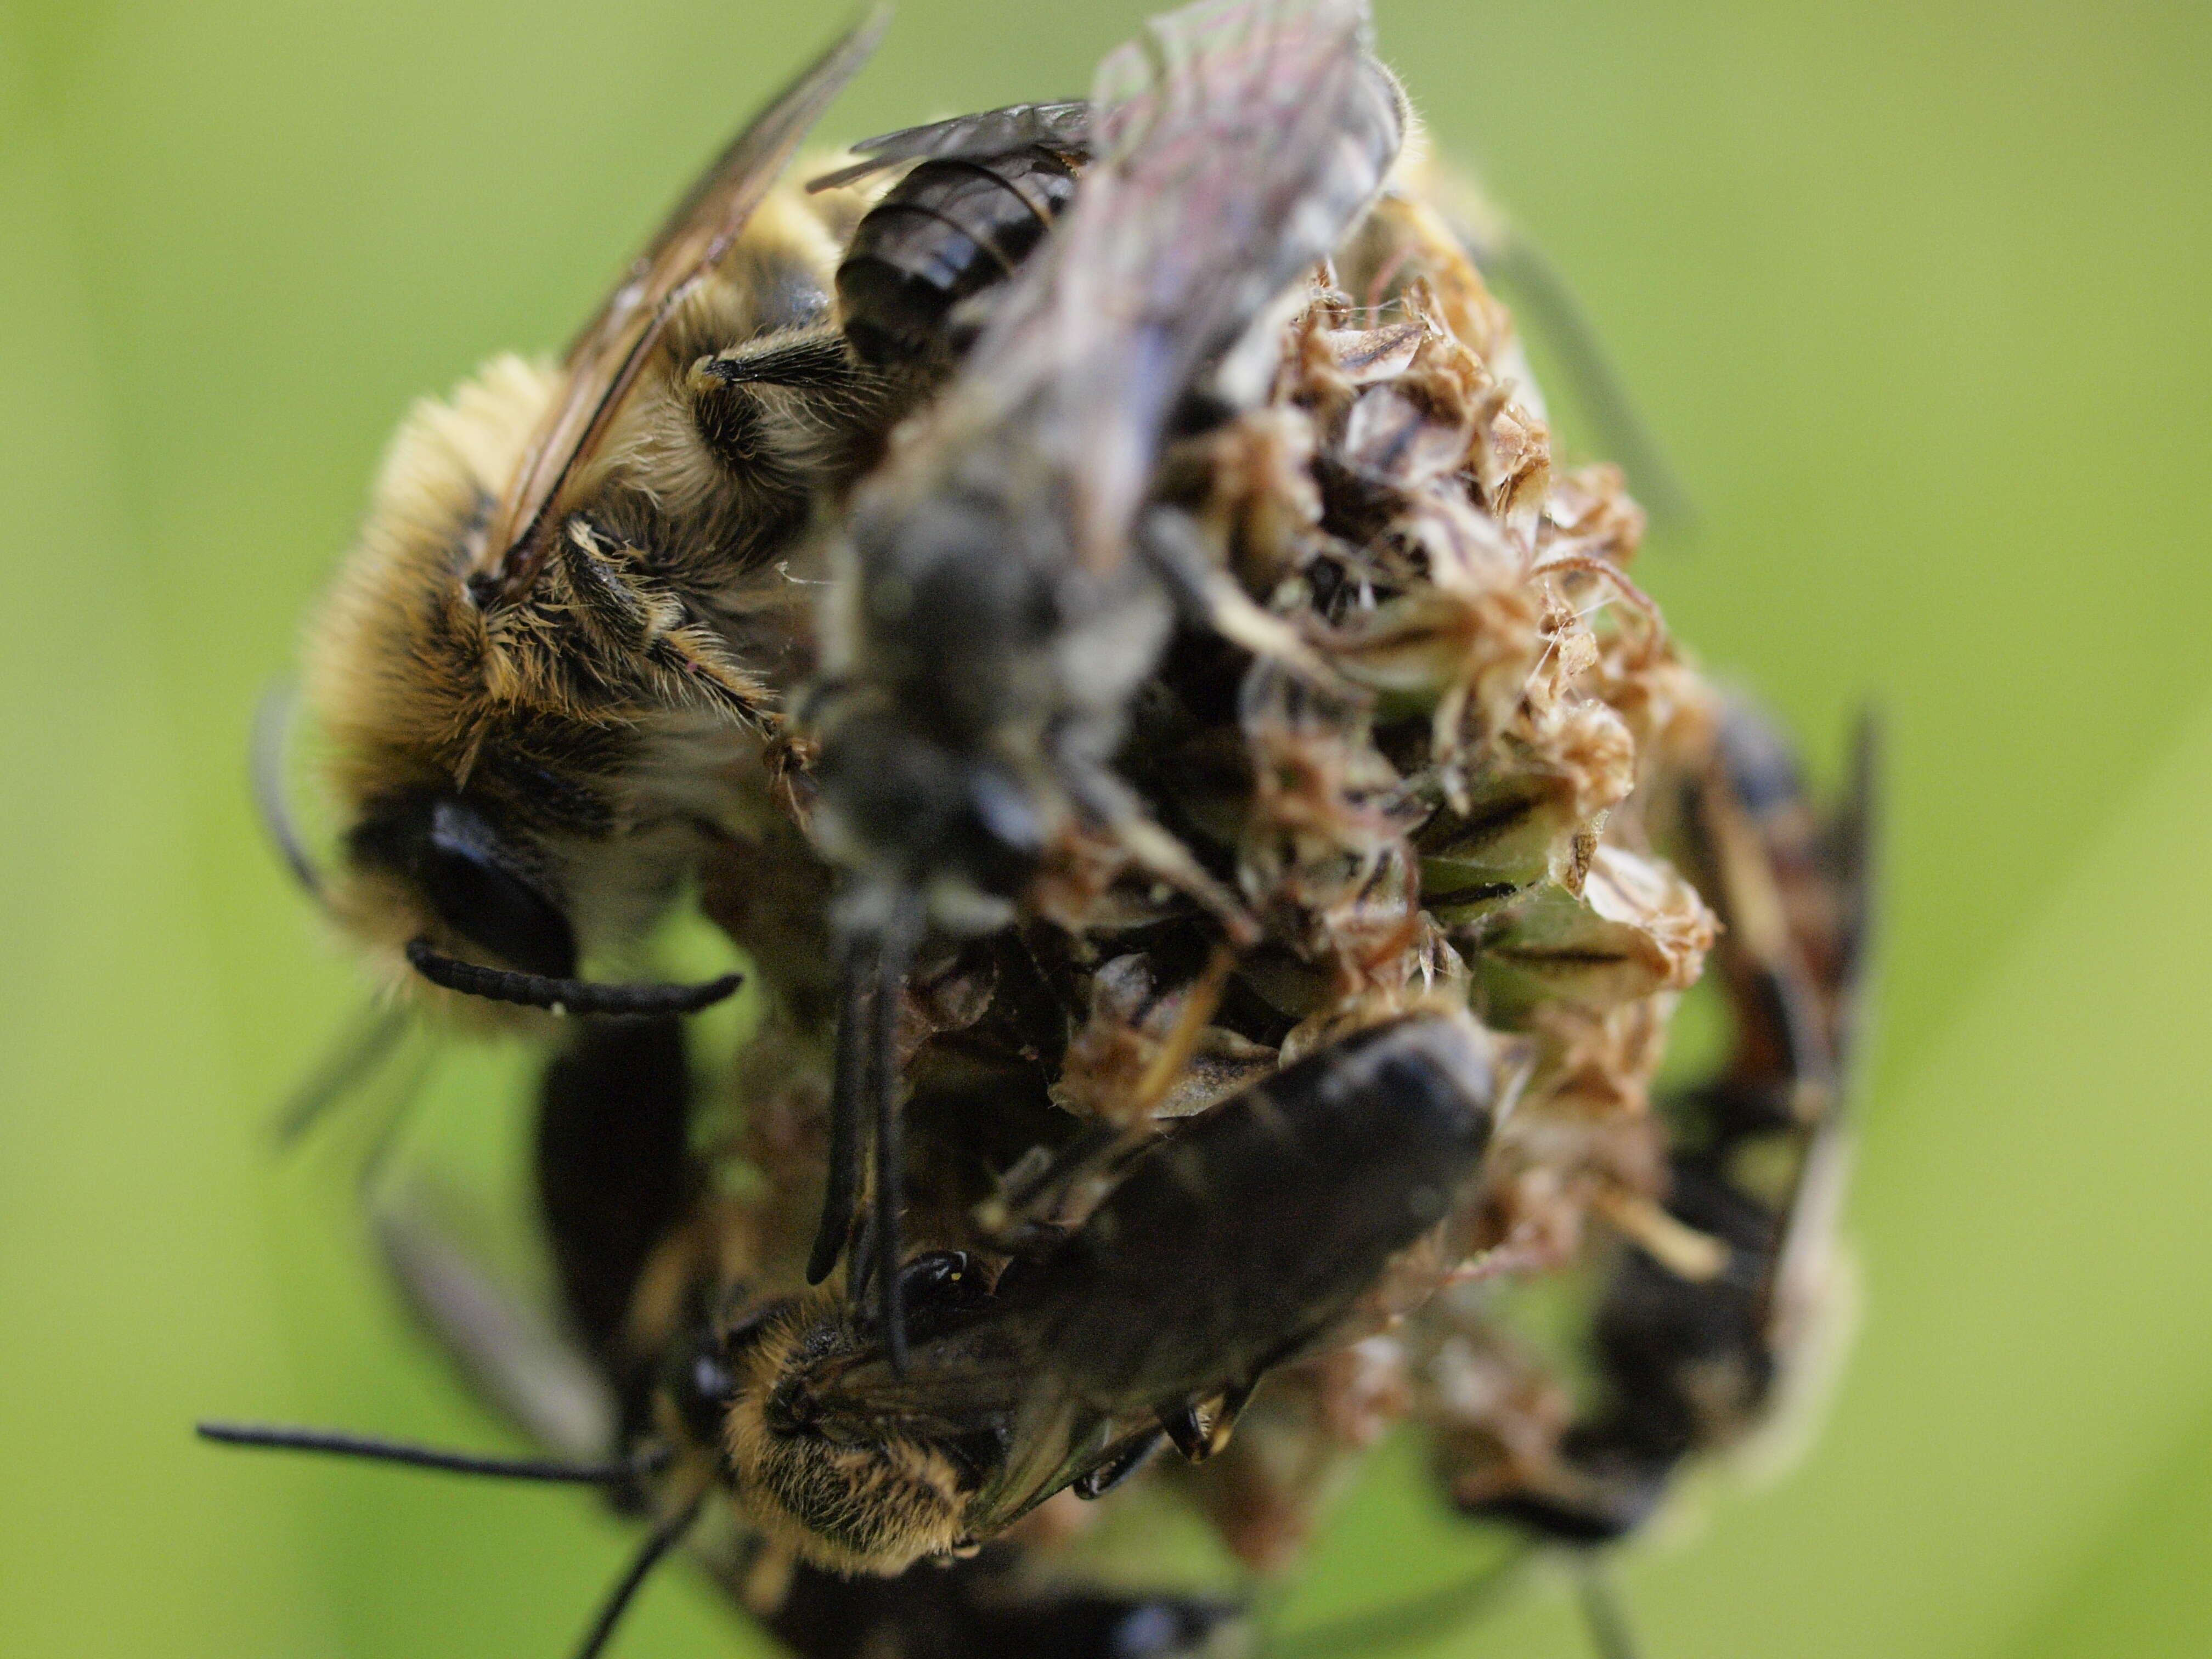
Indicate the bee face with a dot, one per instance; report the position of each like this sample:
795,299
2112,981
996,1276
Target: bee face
476,882
841,1493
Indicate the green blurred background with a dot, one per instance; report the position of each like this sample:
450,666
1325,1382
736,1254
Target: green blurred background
1914,295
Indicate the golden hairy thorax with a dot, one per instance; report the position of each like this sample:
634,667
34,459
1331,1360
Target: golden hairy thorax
617,713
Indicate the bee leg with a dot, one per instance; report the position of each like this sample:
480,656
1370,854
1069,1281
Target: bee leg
1200,1437
1223,1423
990,1608
1183,1426
1508,257
808,362
357,1056
1208,595
1111,804
1020,1220
1610,1633
635,619
855,986
895,950
614,1177
768,412
874,976
614,1167
509,1353
1122,1461
663,1539
1426,1620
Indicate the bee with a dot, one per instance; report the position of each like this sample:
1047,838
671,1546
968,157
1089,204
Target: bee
1237,1244
1082,1359
1708,1327
1000,590
551,670
1408,758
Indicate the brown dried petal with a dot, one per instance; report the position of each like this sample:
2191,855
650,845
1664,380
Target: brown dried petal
1391,439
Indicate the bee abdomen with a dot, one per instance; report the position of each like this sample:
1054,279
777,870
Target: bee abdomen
949,229
1256,1226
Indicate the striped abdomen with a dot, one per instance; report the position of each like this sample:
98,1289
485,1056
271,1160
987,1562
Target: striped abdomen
949,229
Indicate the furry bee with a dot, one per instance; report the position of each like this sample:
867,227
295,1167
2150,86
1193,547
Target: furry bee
550,670
1000,591
1063,1359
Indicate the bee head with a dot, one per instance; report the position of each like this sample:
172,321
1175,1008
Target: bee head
443,877
845,1488
480,887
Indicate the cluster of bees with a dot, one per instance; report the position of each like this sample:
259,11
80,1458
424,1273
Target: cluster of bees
1084,598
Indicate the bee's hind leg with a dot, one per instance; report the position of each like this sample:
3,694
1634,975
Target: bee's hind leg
1124,1461
771,411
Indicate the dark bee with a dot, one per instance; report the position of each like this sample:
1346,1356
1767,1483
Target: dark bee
1063,1364
1233,1246
987,190
1001,591
1690,1363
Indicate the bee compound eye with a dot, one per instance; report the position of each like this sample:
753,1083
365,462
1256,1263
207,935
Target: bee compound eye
477,888
701,1386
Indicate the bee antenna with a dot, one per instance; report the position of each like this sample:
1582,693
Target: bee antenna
663,1537
895,955
566,996
1601,1610
272,742
855,982
369,1447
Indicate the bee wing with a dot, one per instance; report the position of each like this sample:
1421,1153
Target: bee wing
984,1367
507,1347
1236,141
1065,125
1850,864
604,361
955,1383
1854,856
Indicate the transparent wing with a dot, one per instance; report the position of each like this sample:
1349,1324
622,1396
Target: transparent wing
1506,255
604,361
1065,125
1812,1216
1236,139
954,1383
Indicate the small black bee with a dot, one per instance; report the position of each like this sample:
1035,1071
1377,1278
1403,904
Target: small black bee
1688,1365
1234,1244
998,601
